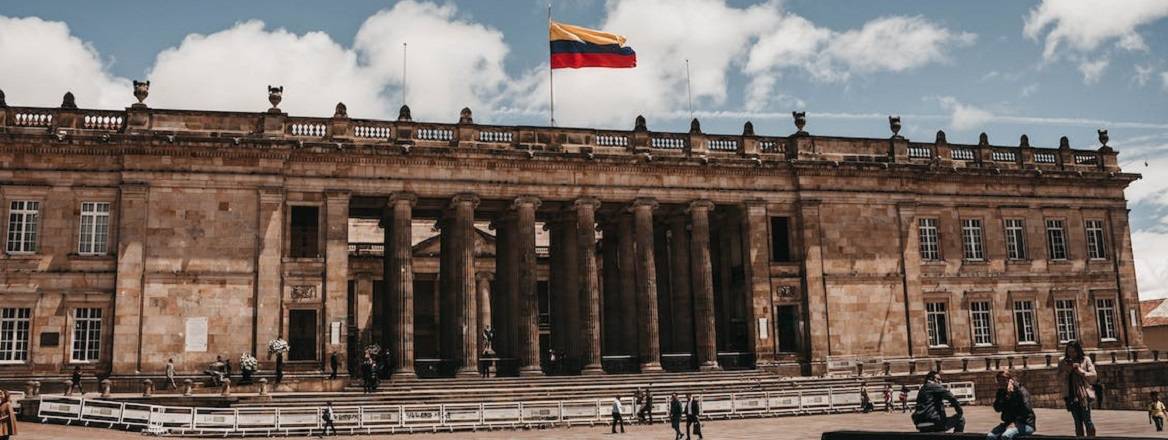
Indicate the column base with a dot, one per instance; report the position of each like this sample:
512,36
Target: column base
403,375
709,366
530,371
651,367
592,370
467,372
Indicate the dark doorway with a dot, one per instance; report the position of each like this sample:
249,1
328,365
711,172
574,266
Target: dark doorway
302,335
787,328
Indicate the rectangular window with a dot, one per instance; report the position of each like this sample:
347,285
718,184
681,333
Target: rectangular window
23,216
1095,243
86,334
1105,315
780,239
981,318
928,236
938,321
1024,322
14,323
94,236
1056,240
1064,316
1015,239
305,232
971,238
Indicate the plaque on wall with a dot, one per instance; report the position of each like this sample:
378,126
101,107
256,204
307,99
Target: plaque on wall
335,332
50,339
762,328
303,293
196,335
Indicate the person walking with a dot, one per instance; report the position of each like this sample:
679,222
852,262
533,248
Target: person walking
75,381
328,416
887,398
170,374
1076,376
646,406
334,364
865,400
929,414
693,417
1013,402
903,399
7,416
637,399
617,418
1156,411
367,374
227,368
675,412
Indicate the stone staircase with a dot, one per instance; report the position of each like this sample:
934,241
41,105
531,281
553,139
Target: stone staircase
510,389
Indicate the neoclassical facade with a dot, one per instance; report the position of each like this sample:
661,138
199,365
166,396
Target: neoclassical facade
139,235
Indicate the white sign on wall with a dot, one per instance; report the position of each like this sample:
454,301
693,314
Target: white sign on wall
335,333
762,328
196,335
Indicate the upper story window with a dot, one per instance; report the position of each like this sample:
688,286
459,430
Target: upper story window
927,229
1064,317
86,334
1105,316
23,217
971,239
1096,249
982,323
1056,240
94,235
780,239
938,324
1015,239
305,232
1024,322
14,323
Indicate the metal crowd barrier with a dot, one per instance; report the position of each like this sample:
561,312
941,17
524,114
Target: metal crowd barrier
445,417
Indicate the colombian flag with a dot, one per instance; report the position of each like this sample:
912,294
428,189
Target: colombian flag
575,47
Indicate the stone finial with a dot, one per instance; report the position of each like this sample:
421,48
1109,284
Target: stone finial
1024,141
639,124
465,116
800,120
275,95
69,101
983,139
894,125
941,137
1103,138
2,103
695,126
748,129
342,111
403,114
141,91
1064,143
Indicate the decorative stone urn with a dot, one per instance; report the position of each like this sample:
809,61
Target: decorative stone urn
141,91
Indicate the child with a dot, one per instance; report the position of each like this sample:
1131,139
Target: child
1156,411
903,399
887,398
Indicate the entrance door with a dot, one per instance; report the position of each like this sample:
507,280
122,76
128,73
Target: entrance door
788,328
302,335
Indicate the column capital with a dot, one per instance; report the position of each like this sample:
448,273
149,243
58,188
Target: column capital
466,197
700,204
402,197
649,202
526,200
592,202
484,275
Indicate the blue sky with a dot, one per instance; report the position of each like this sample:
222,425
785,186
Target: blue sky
1046,69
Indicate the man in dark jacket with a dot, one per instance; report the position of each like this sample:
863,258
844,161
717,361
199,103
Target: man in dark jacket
929,414
1013,401
334,364
693,416
675,412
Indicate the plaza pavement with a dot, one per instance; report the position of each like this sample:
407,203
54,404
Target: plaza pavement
979,419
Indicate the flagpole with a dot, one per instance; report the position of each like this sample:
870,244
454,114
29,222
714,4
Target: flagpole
551,73
404,88
688,89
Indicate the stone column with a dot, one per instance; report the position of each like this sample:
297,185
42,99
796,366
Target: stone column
529,319
268,293
589,285
646,285
483,287
127,340
463,282
398,273
336,269
703,285
680,294
626,259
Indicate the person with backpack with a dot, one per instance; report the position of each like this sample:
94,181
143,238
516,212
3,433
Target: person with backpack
1013,402
328,416
1077,376
929,414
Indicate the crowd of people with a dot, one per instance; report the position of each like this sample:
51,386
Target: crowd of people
690,409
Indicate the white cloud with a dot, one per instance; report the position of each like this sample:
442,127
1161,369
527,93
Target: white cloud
964,117
1093,70
895,44
1085,25
1151,260
1029,89
42,60
1143,74
1164,81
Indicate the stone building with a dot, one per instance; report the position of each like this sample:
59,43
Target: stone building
137,235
